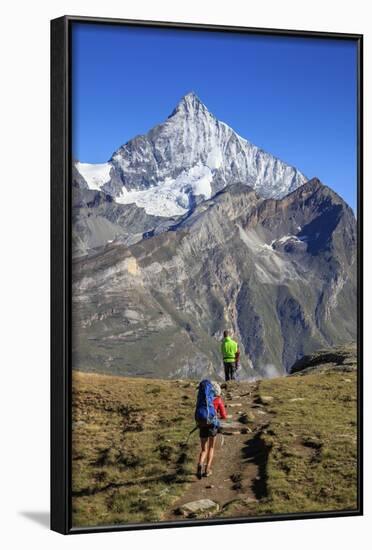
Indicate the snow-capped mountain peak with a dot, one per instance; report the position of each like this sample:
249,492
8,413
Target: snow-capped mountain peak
189,104
186,159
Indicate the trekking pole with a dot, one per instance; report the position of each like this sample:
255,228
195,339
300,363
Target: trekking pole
188,437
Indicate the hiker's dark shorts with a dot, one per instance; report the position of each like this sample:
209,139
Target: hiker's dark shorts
208,431
230,371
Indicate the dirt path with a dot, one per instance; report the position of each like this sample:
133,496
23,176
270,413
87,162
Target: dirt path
237,467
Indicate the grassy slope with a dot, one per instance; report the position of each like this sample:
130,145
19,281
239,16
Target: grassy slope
129,461
130,464
312,440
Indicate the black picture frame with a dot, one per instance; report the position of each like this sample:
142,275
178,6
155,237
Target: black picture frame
61,271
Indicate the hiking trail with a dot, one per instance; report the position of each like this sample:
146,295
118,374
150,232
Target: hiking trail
239,465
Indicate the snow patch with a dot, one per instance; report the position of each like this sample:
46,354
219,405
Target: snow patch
95,175
171,197
286,238
267,247
233,132
214,159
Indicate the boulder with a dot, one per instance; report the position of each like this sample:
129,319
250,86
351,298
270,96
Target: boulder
202,506
266,399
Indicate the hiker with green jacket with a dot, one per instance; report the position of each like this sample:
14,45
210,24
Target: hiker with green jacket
230,355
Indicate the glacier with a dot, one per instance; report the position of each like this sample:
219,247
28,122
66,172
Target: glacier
171,197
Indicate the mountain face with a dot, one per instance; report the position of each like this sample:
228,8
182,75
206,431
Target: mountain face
176,165
280,272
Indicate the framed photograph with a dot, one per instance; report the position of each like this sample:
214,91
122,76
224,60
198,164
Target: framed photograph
206,274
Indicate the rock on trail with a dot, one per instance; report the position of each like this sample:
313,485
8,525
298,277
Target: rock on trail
196,507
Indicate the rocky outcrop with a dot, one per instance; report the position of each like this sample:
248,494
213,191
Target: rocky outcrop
341,358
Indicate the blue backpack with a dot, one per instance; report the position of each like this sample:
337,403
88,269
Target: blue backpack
205,413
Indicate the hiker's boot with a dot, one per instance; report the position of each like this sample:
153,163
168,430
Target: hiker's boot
207,473
199,472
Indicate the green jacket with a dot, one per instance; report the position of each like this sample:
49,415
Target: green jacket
228,349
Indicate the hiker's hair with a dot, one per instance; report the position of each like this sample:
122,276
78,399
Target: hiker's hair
216,388
226,333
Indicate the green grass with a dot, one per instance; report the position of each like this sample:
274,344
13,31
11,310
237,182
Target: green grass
311,443
129,458
130,463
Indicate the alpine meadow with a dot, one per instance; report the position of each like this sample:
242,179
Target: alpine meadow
190,234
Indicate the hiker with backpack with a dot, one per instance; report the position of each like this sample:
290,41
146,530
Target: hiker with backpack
230,356
209,408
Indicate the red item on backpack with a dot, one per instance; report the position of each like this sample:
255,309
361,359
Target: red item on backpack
220,407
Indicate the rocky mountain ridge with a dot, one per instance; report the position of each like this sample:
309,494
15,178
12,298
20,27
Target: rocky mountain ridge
282,273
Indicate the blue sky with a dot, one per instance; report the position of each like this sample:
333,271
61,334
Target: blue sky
294,97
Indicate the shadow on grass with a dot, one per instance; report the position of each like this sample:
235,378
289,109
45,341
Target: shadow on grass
256,451
174,478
